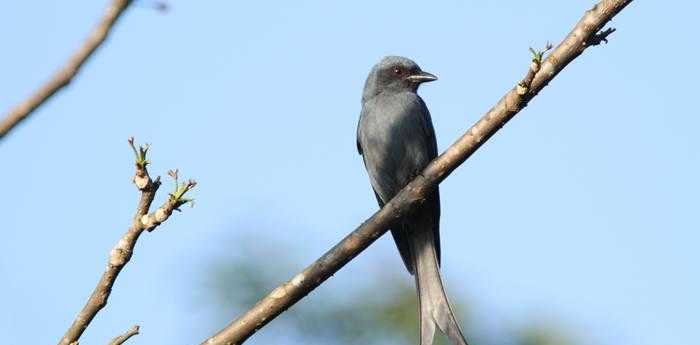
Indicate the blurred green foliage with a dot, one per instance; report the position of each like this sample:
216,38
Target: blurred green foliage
372,311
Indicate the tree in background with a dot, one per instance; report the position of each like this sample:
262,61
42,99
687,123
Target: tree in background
379,309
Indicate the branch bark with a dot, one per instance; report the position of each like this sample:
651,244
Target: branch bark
120,255
584,34
64,75
121,339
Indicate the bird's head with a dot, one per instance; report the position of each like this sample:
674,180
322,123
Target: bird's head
395,74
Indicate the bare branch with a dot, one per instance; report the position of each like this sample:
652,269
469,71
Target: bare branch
64,75
120,255
121,339
539,74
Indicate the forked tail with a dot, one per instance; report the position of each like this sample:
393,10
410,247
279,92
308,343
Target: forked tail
435,309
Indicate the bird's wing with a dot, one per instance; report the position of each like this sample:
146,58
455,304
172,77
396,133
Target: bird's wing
382,182
434,203
374,144
357,136
396,139
429,131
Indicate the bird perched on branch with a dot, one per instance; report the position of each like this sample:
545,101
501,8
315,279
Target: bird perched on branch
396,139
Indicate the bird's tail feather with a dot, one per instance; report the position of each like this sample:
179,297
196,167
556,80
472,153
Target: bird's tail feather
435,309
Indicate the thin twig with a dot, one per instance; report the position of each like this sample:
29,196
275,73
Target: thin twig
121,339
121,253
64,75
415,192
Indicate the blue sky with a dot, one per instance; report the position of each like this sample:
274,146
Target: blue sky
582,210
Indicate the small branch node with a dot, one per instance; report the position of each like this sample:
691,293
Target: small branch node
538,55
121,339
141,178
523,87
600,37
120,254
176,198
140,154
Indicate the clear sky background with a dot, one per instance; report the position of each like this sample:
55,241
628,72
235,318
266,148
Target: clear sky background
583,210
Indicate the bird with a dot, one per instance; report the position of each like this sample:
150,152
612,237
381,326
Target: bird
396,139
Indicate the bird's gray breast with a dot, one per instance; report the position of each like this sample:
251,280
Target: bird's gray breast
397,140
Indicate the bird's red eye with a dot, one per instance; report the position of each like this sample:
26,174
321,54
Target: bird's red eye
397,70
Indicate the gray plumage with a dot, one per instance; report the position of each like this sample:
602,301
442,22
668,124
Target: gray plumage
396,139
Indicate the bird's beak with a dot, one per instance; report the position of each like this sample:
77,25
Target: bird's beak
421,77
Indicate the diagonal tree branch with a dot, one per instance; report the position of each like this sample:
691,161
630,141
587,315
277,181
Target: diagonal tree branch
540,73
120,255
121,339
64,75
